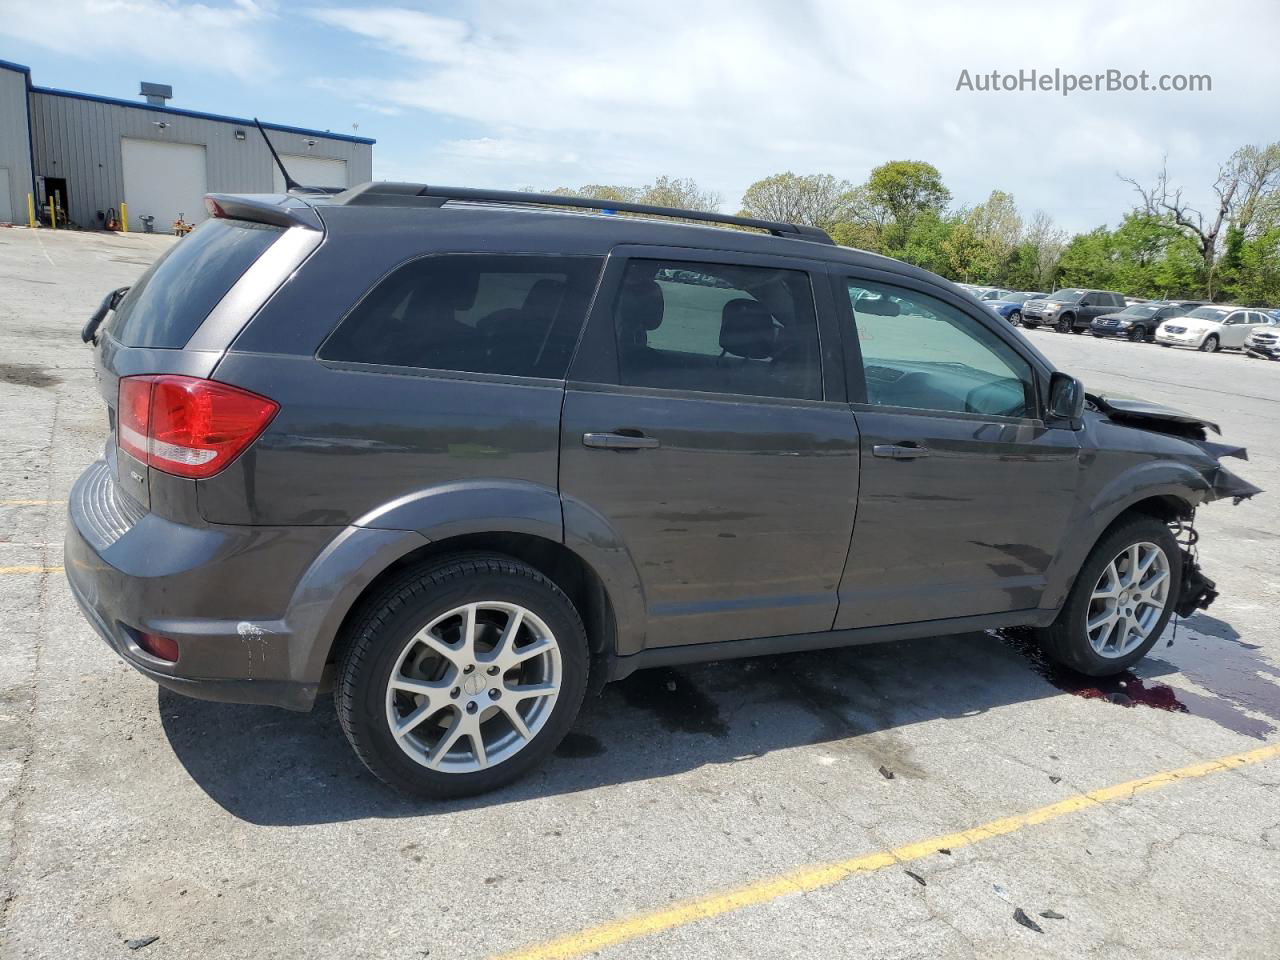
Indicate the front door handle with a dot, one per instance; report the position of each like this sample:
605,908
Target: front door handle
619,441
899,451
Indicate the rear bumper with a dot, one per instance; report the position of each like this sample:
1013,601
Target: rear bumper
254,610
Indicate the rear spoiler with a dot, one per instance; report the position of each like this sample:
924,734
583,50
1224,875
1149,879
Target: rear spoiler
263,209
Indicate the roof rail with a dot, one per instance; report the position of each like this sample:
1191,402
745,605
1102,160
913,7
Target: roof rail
395,194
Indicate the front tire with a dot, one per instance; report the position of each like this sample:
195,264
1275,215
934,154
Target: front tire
1065,324
1121,601
1138,334
1015,318
1210,344
461,677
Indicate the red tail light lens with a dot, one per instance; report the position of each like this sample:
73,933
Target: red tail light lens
187,426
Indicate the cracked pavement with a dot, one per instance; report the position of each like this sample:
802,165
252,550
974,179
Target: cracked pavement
127,812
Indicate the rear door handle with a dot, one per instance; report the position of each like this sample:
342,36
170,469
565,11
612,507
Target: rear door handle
897,451
618,441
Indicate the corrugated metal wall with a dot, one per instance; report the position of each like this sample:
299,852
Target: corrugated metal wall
79,140
15,144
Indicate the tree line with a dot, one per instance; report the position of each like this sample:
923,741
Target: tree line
1163,247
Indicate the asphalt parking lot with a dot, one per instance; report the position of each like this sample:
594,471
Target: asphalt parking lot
783,807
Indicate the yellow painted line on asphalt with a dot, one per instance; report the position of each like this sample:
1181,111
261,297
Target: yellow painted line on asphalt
825,874
30,503
30,569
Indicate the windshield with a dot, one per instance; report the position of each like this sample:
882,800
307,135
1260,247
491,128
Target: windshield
1067,296
1215,314
1140,310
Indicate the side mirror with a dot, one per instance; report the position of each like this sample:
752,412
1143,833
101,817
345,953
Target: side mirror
1066,397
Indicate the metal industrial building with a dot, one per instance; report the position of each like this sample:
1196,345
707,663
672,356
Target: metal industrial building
94,153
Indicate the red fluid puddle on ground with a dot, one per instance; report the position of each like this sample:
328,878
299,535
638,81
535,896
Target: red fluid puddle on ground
1127,689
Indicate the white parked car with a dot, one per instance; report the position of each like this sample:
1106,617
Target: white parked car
1210,328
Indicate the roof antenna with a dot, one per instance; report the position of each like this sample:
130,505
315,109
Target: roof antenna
289,182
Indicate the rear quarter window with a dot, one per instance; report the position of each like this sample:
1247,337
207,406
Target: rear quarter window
472,313
170,301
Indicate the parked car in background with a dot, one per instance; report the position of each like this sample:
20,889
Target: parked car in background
1210,328
1010,305
1264,341
1137,322
1071,309
1130,301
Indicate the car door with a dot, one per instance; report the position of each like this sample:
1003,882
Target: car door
1234,328
706,435
965,490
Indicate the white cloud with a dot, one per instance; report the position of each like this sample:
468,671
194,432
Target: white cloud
729,92
221,38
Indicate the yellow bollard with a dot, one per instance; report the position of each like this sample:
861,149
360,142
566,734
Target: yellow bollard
31,210
53,215
124,218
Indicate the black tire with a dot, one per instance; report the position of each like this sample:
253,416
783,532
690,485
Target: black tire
1166,344
1210,344
1066,641
386,624
1099,335
1065,324
1138,334
1015,318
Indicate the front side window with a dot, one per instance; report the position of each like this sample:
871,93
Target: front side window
473,313
922,353
718,328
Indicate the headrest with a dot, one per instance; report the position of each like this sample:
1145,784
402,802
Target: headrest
746,330
543,298
881,306
456,289
641,304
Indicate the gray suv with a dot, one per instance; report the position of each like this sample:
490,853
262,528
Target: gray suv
1072,309
459,455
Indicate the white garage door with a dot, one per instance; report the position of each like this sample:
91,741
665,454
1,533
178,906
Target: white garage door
163,180
311,172
6,209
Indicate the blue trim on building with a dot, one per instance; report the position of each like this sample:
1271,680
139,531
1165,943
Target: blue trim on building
10,65
197,114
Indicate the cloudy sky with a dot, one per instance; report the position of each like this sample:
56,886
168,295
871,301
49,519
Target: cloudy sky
519,94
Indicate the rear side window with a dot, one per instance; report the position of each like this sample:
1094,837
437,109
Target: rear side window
473,313
718,328
171,300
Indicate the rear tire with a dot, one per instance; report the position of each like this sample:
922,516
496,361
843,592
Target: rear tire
473,714
1070,642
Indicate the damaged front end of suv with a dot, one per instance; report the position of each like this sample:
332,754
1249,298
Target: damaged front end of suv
1187,444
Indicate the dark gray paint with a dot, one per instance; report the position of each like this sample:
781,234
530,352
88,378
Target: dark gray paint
757,524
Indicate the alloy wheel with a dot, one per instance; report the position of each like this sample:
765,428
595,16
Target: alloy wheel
474,686
1128,600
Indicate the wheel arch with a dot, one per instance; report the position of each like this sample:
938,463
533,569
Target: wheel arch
579,581
1166,502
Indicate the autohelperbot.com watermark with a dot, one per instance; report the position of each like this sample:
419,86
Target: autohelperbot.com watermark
1066,82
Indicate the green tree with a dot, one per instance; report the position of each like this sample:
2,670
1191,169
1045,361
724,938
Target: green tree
815,199
896,195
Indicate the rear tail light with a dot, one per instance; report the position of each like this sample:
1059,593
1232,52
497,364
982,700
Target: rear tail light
187,426
162,648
